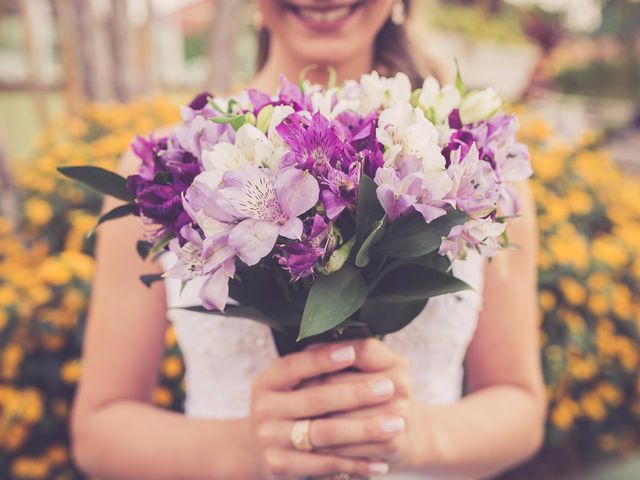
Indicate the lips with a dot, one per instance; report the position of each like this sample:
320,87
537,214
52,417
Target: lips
324,15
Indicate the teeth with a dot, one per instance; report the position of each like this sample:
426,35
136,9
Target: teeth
327,16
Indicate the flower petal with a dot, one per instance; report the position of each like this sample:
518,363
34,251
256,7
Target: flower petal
292,229
297,191
253,240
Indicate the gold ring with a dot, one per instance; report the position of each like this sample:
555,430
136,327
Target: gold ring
300,435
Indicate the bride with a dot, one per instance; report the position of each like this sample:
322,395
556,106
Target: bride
357,408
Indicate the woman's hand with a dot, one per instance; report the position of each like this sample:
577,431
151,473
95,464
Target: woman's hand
277,403
397,415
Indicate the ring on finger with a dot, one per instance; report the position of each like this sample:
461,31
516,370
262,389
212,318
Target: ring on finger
301,436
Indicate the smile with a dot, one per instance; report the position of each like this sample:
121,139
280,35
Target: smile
329,15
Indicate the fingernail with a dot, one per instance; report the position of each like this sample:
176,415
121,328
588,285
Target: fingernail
392,425
378,468
383,388
343,354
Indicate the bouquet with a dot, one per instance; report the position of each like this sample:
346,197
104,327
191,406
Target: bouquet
325,213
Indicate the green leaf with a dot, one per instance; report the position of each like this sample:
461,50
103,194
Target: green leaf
235,121
101,180
332,299
151,278
161,243
411,283
384,317
460,86
143,248
377,231
369,210
411,236
118,212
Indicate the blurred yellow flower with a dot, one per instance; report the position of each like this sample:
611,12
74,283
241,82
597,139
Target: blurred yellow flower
162,396
564,413
573,291
171,366
70,371
38,211
608,251
11,356
54,271
30,468
593,407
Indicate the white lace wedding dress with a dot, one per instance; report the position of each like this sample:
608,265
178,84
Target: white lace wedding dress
223,355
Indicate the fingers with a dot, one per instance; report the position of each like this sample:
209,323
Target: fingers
399,375
293,463
333,432
372,355
289,371
317,401
378,450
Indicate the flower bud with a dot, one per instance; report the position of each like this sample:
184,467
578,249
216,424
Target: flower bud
479,106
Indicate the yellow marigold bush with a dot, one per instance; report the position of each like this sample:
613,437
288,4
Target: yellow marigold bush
45,275
589,222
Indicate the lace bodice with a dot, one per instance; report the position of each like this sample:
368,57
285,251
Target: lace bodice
223,355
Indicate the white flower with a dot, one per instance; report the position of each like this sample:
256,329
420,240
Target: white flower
251,147
438,102
405,132
381,92
479,105
330,105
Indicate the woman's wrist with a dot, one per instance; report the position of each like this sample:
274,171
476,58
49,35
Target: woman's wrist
426,444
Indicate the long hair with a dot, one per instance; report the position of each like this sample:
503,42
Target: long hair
392,50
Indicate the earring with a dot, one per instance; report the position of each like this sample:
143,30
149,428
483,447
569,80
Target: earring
399,13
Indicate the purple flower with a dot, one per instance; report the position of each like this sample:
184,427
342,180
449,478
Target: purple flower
361,141
479,234
210,258
300,257
340,190
291,94
267,205
166,172
315,145
475,184
396,195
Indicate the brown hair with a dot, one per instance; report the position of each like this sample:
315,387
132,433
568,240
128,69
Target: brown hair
393,52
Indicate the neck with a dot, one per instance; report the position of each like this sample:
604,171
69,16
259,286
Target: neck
280,62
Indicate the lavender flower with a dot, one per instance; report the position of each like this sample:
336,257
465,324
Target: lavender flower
299,258
267,205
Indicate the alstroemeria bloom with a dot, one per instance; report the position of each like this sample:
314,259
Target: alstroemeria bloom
405,131
314,143
475,183
438,102
300,258
268,205
340,191
481,234
481,105
378,92
211,258
397,195
509,158
251,147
